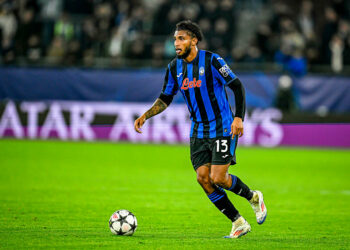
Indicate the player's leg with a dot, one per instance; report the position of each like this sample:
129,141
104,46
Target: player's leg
216,194
231,182
223,155
234,184
220,176
203,178
201,158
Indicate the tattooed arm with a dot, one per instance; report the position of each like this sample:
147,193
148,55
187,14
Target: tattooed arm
158,107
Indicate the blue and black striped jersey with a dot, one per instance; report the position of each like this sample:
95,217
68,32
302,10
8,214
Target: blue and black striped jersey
202,83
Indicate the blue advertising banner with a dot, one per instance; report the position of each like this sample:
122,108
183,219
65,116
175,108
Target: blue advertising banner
32,84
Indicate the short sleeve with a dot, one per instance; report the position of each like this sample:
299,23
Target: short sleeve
221,70
170,86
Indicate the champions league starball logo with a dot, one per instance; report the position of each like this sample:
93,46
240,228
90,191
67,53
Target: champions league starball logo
225,70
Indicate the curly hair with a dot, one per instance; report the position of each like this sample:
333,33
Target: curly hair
193,29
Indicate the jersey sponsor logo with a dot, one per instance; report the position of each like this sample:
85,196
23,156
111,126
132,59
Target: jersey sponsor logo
201,71
186,84
225,70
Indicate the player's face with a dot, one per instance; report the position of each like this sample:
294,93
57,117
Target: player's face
183,42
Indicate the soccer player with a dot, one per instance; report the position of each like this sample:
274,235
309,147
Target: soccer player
201,77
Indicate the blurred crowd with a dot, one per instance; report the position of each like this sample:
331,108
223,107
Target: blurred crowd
294,34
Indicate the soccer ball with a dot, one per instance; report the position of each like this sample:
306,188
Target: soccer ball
123,222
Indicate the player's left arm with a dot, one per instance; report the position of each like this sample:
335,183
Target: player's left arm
238,89
225,75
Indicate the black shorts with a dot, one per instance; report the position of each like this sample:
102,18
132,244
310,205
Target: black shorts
216,151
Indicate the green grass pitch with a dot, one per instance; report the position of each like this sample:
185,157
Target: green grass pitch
61,195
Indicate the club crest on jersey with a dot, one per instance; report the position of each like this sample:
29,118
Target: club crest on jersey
201,71
225,70
186,84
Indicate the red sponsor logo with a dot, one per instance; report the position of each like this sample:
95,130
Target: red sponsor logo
115,216
186,84
262,206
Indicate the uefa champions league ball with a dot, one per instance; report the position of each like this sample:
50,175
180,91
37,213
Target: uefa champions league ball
123,222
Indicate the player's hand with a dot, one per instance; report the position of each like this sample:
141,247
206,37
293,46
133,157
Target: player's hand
139,123
237,127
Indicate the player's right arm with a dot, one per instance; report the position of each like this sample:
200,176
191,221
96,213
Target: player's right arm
170,88
158,107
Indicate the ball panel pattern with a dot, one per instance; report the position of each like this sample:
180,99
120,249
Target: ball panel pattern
123,222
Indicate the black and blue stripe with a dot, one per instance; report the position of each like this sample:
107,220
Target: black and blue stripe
216,195
208,105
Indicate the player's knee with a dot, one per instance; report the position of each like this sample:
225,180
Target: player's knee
219,180
203,180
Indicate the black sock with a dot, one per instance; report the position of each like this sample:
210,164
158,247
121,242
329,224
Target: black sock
239,188
221,201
